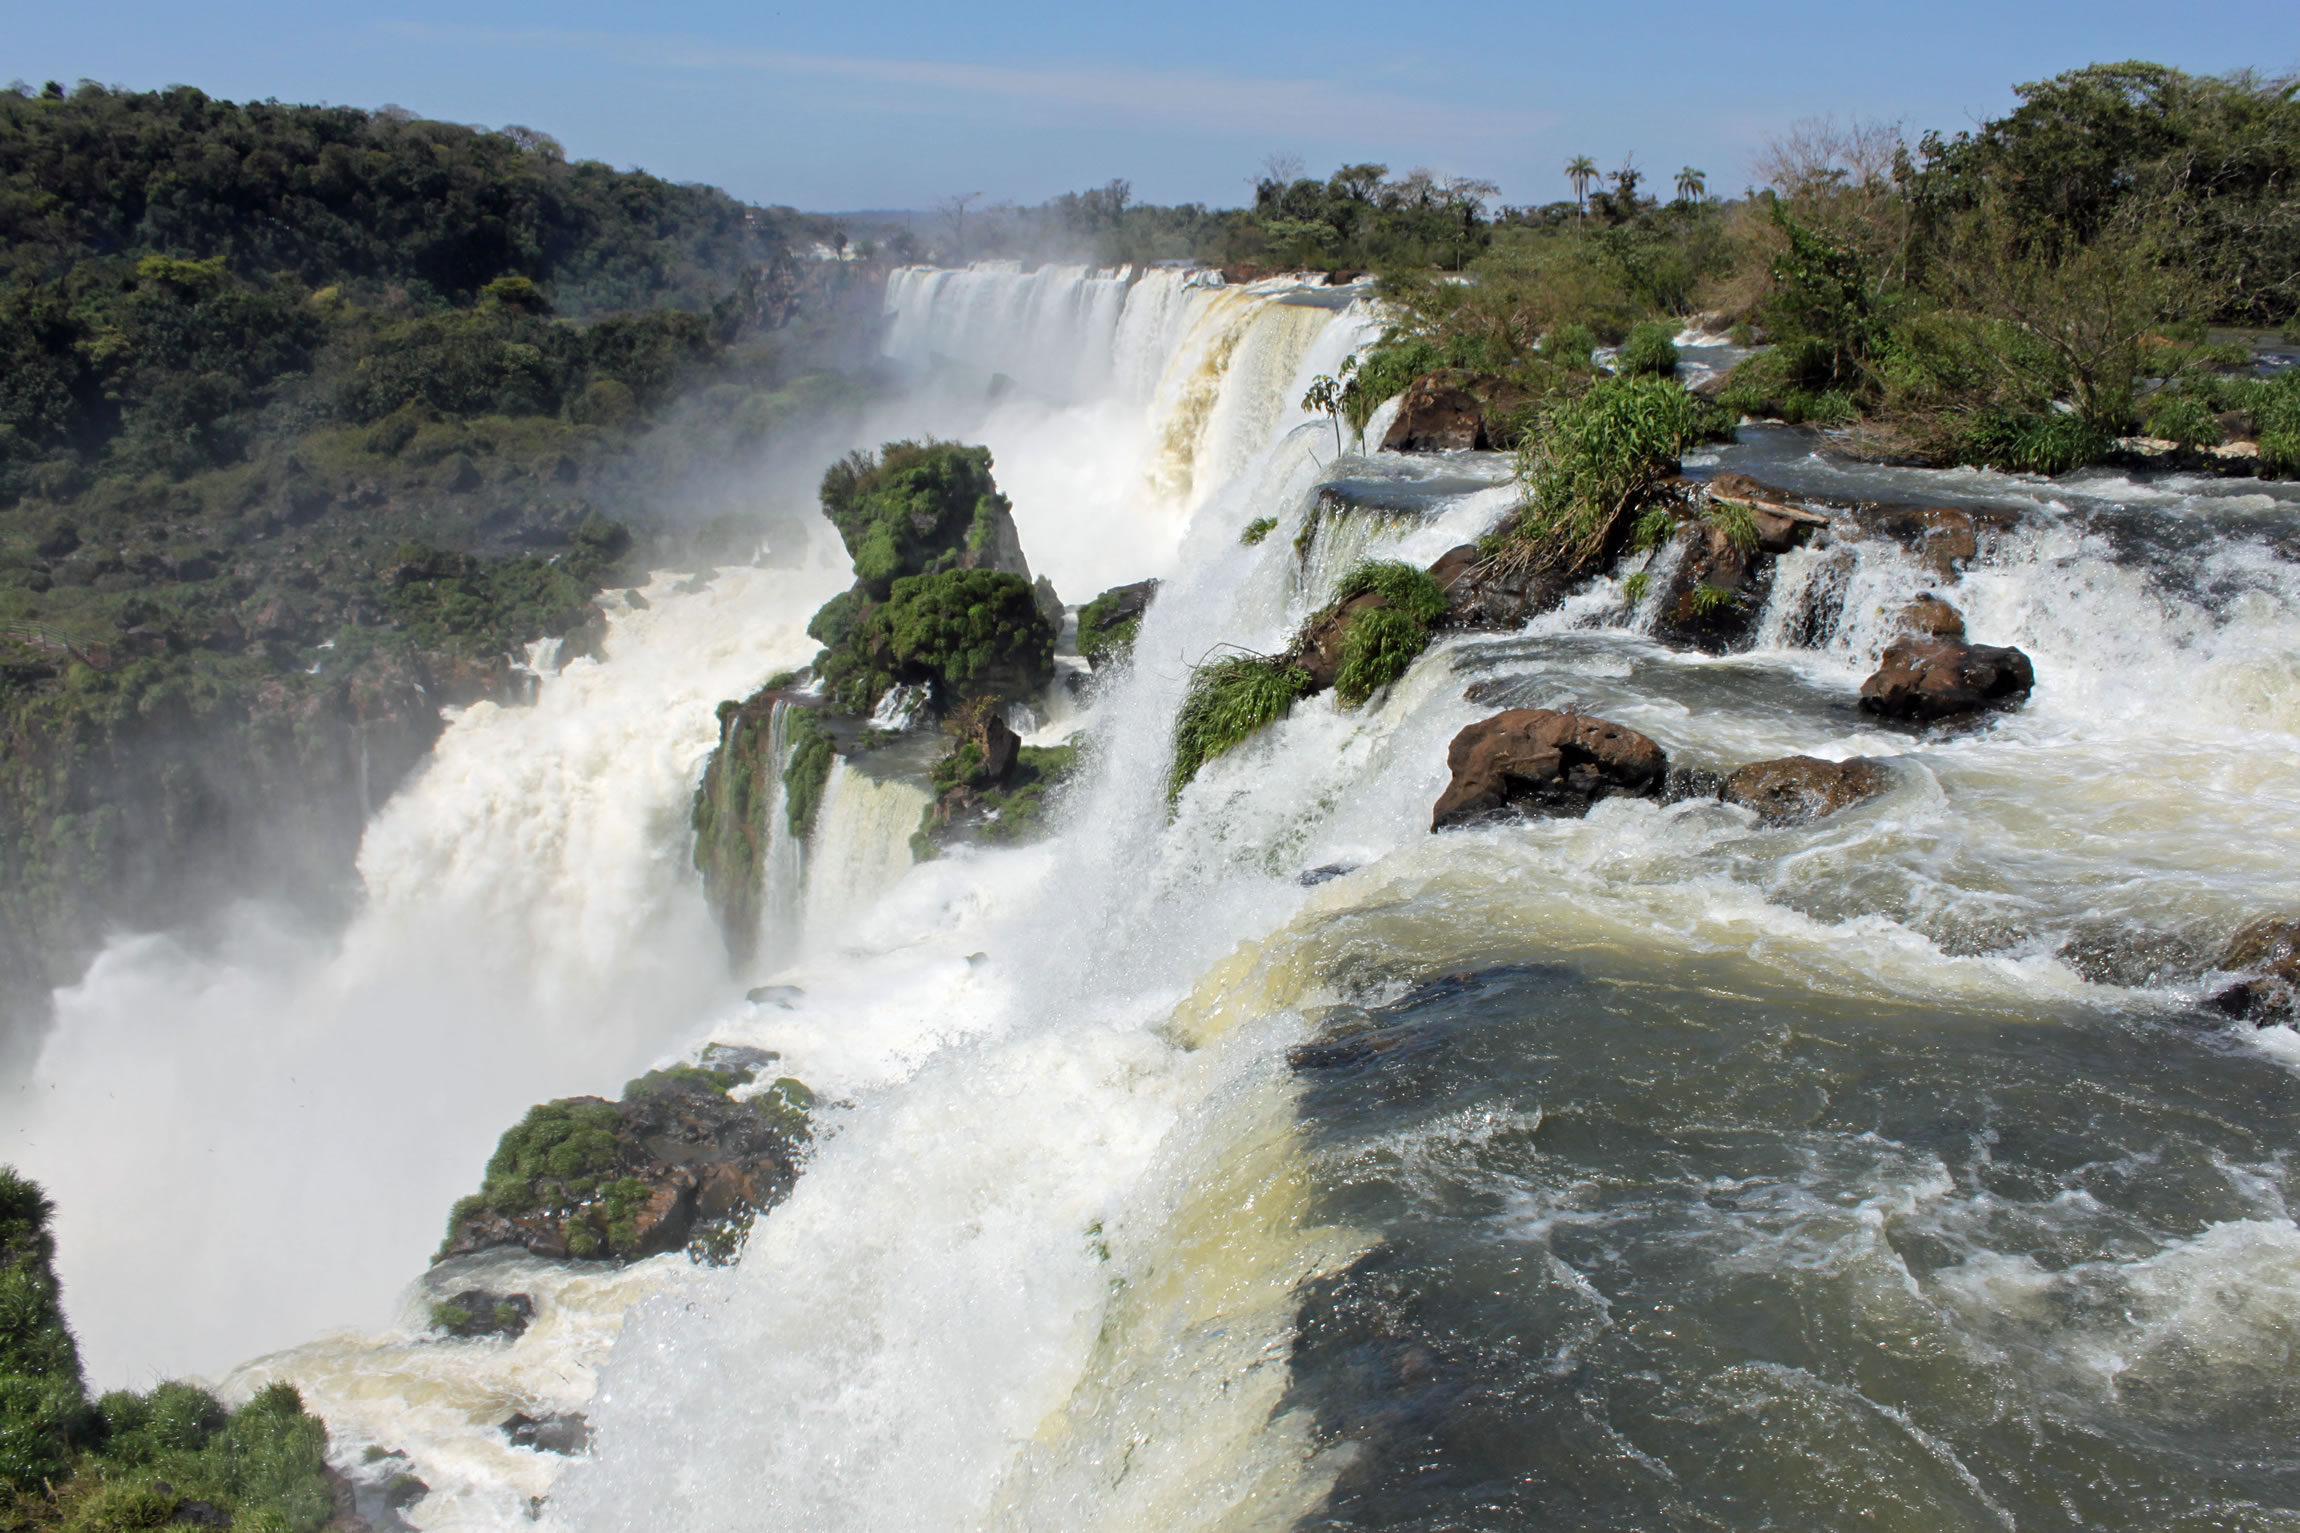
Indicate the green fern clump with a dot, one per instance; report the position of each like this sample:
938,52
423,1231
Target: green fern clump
1380,643
1230,700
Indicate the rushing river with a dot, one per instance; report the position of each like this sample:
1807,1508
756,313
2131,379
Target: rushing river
1272,1162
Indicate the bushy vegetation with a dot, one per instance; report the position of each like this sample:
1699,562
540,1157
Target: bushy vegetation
963,633
808,773
1379,643
1649,352
1229,701
1594,463
173,1454
914,508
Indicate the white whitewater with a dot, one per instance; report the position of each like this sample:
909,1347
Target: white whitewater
1041,1271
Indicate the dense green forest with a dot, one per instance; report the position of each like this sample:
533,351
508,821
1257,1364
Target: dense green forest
2021,294
309,417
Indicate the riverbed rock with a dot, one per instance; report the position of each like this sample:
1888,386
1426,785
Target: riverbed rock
1945,537
1716,591
1540,762
1480,596
1783,520
479,1312
1927,680
1928,617
676,1164
1795,790
1436,415
2267,956
562,1432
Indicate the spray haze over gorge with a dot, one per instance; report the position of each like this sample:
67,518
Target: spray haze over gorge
1384,860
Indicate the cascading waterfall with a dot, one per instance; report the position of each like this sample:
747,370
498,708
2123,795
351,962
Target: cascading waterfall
1265,1158
783,868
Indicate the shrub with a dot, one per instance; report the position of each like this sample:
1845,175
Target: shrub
1411,591
2280,454
2184,419
911,509
1229,700
42,1401
1594,461
1378,647
1650,352
2050,443
1569,346
558,1154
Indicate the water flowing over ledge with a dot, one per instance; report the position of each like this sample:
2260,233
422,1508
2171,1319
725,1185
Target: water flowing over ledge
1515,1169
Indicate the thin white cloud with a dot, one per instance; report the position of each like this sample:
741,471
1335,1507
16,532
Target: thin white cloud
1278,108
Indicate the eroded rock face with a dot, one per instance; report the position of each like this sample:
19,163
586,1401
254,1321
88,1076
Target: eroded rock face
2267,954
1948,538
1783,521
1716,593
565,1432
1480,597
1540,762
1436,415
1795,790
1925,680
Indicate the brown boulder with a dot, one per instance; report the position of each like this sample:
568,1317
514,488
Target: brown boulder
1536,761
1796,789
1319,650
1928,679
1436,415
1716,593
2267,953
1479,596
1928,617
1945,537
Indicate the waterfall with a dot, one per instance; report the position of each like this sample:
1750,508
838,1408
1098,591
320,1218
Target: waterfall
1262,1158
783,868
860,846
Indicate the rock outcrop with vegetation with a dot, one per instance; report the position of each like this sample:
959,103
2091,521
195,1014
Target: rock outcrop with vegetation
677,1164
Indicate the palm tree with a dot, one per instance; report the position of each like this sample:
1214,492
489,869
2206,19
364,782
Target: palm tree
1691,184
1581,170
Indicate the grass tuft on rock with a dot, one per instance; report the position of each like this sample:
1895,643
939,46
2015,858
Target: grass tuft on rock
1230,700
1650,352
1407,589
1594,461
2047,443
1379,646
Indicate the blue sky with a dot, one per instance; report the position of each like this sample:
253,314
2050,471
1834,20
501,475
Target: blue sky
898,104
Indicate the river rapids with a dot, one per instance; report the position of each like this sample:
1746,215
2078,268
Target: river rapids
1650,1170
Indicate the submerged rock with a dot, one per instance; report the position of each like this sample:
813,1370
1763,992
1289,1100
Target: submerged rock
1795,790
478,1312
1925,680
676,1164
565,1432
1537,761
2267,955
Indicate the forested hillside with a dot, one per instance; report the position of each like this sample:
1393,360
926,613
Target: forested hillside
309,417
